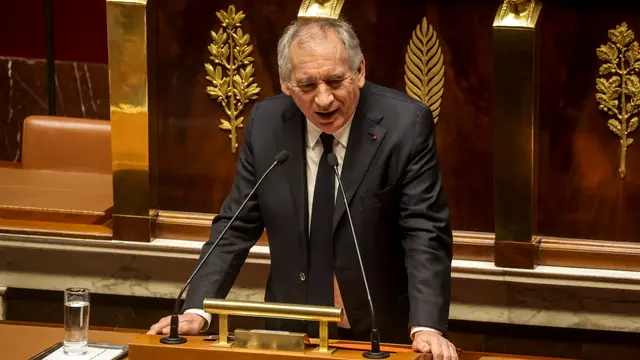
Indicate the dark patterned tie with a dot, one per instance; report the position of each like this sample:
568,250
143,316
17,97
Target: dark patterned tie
320,285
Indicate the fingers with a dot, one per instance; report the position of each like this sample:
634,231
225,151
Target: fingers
420,345
436,348
454,352
167,329
442,349
159,327
446,352
190,326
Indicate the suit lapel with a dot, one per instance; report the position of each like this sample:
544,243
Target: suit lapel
290,137
365,138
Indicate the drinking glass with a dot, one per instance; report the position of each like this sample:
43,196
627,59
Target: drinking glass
76,321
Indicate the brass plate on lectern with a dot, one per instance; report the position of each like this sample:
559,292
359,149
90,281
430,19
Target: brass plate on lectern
269,340
322,314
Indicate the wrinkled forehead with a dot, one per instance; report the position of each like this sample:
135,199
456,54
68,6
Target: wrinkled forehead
320,54
315,41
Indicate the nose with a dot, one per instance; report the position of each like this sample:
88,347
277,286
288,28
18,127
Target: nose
324,97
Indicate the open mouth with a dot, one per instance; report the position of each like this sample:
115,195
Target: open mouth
326,115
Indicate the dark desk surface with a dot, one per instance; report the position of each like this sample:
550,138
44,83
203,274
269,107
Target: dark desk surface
23,340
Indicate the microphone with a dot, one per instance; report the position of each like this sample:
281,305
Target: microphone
375,352
173,337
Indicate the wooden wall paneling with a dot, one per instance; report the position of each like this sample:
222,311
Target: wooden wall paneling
473,246
78,217
49,228
81,40
590,254
581,195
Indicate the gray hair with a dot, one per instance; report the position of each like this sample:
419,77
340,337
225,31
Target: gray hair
295,30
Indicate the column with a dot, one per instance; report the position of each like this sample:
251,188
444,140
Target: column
129,78
515,132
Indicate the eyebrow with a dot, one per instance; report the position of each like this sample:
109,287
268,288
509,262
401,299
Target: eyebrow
338,76
305,80
308,80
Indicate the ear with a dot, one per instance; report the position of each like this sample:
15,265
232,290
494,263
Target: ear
361,74
284,86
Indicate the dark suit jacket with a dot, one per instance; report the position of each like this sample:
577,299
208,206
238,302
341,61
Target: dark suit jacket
396,198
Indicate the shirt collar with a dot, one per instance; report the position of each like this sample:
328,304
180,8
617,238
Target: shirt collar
342,135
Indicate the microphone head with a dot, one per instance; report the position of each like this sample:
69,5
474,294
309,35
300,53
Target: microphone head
332,159
282,157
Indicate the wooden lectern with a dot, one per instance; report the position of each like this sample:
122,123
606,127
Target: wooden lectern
148,347
24,340
261,344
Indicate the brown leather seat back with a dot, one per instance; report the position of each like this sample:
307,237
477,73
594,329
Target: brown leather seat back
68,144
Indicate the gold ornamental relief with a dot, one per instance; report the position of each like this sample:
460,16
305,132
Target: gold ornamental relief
231,71
424,68
329,9
518,13
619,86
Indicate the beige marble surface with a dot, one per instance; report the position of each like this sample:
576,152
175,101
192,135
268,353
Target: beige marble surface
549,296
555,305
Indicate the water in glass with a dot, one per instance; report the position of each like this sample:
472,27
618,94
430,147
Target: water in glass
76,321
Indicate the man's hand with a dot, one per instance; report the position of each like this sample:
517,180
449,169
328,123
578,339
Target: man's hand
188,324
434,343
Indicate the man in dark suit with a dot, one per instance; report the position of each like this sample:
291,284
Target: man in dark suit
385,144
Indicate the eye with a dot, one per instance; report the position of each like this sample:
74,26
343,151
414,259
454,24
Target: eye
307,87
335,83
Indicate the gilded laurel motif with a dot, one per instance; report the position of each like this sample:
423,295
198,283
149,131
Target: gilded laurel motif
230,50
619,87
424,68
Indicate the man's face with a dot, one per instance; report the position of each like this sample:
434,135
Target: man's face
321,83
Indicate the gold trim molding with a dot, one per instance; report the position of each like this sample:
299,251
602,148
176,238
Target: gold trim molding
619,94
230,49
424,68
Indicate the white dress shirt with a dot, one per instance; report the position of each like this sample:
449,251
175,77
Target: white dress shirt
314,149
